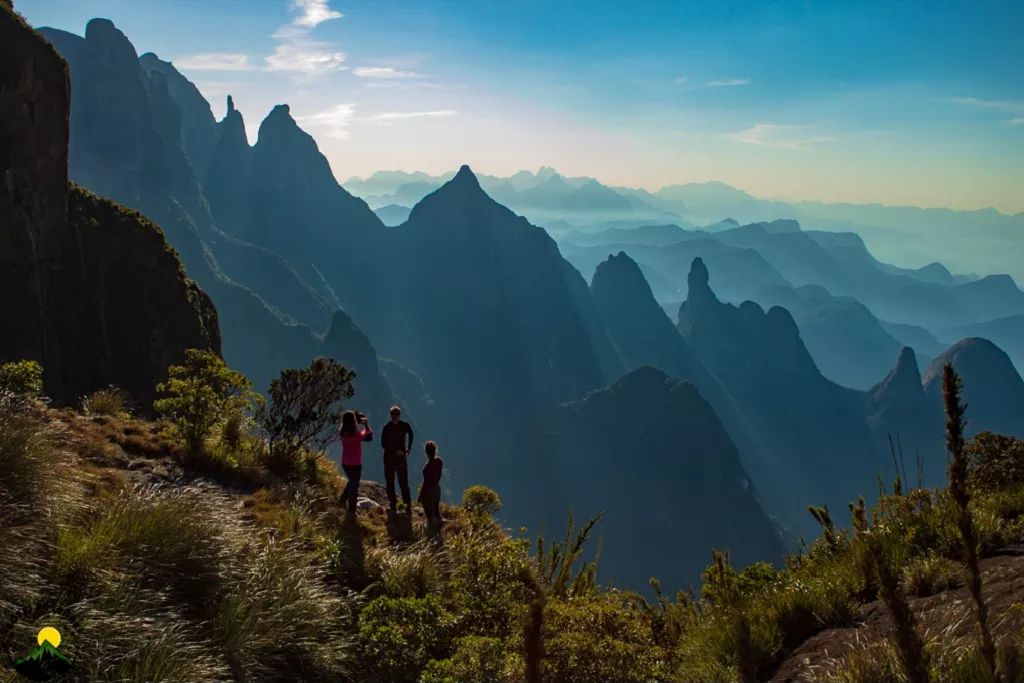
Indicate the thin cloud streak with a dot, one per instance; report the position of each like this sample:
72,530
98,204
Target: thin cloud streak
1005,105
389,118
215,61
383,72
773,135
727,84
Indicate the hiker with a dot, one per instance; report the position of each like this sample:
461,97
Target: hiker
355,429
396,457
430,491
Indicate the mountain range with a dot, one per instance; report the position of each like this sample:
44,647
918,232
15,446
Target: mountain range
548,370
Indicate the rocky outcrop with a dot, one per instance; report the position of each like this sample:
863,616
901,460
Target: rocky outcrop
654,436
226,183
99,297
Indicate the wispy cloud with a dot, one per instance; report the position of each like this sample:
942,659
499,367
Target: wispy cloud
391,117
335,120
1005,105
1013,106
383,72
215,61
686,85
297,53
410,85
772,135
312,13
727,84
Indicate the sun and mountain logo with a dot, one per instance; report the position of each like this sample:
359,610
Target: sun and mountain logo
46,660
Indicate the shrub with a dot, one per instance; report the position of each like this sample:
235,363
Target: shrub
201,393
482,660
995,462
489,585
23,378
931,574
596,639
110,401
303,412
399,636
481,500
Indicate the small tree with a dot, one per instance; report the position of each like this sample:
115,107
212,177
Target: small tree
23,378
201,393
304,410
480,499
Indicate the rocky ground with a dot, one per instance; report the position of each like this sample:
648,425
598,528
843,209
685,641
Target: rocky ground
947,614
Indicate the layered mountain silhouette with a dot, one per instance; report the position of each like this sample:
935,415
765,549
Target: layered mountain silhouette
126,143
555,391
95,294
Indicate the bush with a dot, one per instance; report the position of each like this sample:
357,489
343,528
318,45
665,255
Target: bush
931,574
482,500
400,636
488,588
303,413
22,378
201,394
594,640
995,462
482,660
110,401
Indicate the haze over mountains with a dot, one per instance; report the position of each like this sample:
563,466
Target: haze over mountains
567,343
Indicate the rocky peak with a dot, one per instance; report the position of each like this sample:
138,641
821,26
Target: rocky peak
231,106
903,383
107,40
993,389
621,274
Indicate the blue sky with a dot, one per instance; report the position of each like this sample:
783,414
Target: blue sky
894,102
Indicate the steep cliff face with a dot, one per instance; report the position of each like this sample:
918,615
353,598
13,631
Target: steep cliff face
198,127
33,194
99,297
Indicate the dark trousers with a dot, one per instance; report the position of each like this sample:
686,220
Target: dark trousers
351,493
431,500
397,465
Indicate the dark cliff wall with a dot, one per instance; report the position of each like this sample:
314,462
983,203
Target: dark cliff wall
91,290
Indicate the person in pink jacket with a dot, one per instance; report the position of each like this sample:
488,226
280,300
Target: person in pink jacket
355,429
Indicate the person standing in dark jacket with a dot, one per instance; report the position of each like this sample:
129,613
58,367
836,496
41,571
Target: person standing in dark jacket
396,440
430,491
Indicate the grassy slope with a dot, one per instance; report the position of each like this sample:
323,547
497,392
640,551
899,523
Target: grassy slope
156,566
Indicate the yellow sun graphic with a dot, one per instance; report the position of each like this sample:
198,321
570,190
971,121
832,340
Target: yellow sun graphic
49,634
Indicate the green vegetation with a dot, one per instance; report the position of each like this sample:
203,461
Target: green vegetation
23,379
201,394
111,402
266,578
303,415
482,500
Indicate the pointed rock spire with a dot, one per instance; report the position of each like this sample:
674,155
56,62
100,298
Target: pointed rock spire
231,104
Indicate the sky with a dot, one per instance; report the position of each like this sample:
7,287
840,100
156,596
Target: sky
897,102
